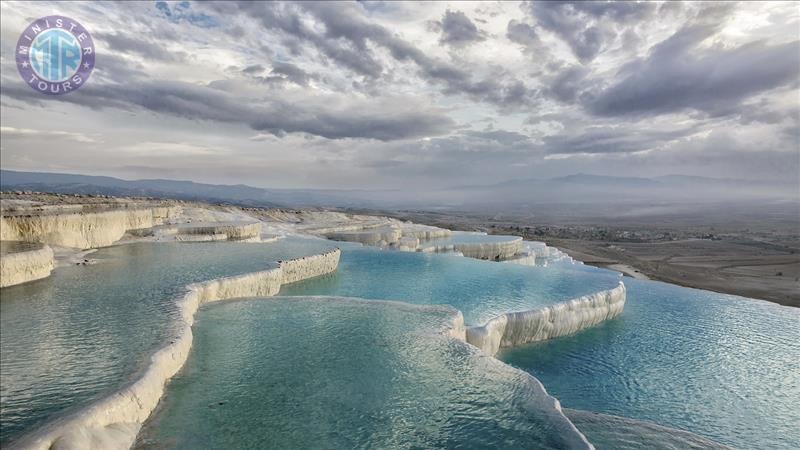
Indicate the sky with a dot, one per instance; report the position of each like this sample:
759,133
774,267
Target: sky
376,95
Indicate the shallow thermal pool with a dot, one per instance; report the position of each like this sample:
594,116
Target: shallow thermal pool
481,290
717,365
86,330
325,372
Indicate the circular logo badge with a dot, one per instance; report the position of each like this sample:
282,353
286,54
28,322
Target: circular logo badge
55,55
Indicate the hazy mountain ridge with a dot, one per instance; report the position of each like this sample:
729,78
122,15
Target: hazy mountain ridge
577,189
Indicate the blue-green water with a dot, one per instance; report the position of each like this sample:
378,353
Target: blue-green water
328,372
721,366
607,432
86,330
481,290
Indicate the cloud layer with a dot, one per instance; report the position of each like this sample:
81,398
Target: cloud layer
361,95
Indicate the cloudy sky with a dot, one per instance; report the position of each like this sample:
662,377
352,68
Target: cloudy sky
388,95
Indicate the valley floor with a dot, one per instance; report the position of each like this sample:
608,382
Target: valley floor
720,266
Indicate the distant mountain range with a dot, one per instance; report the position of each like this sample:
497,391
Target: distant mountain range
577,189
184,190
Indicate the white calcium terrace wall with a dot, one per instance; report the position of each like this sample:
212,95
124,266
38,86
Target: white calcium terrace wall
513,329
490,250
530,252
388,232
222,230
424,232
113,422
378,236
309,267
81,230
495,251
24,266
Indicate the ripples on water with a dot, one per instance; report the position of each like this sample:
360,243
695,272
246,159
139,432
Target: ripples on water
334,373
84,331
607,432
720,366
481,290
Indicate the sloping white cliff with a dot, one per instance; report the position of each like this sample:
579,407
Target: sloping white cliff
23,266
234,231
378,237
81,230
113,422
561,319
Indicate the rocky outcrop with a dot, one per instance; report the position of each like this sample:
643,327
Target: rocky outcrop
113,422
561,319
81,229
33,263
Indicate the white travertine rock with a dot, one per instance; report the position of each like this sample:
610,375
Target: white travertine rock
21,267
522,259
424,232
496,251
513,329
368,230
309,267
81,229
233,231
490,250
407,244
113,422
385,235
538,253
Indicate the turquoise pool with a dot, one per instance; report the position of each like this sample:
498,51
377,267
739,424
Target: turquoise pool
717,365
86,330
481,290
325,372
334,372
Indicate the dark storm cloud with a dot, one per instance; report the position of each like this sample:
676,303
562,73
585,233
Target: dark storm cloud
277,116
345,37
355,88
676,76
255,69
457,30
291,72
566,83
587,26
522,33
612,139
126,44
281,72
499,136
344,45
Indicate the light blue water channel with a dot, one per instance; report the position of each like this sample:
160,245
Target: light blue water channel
86,330
481,290
721,366
324,372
